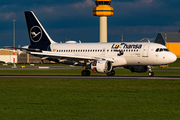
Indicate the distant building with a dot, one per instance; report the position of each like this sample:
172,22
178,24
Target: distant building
27,58
6,56
170,40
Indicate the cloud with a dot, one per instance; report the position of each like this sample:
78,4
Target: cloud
146,1
87,3
141,29
49,9
78,10
8,16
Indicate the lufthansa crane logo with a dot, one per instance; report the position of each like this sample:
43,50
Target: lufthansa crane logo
35,33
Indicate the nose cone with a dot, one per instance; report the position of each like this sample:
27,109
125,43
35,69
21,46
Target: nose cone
172,58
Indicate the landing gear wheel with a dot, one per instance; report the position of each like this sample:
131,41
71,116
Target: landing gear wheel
111,73
85,73
151,74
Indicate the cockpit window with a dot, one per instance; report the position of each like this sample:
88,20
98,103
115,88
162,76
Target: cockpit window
166,49
161,49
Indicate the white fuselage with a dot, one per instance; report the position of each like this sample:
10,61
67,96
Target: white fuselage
131,53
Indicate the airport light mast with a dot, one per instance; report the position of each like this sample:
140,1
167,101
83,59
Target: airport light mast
103,9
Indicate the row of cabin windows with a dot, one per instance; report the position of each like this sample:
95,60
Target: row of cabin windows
127,50
81,50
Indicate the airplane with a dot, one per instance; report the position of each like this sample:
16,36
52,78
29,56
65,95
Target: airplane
99,57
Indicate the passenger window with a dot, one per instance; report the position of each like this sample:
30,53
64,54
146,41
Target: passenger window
157,50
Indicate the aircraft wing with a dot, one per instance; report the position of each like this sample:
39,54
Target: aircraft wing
26,49
47,54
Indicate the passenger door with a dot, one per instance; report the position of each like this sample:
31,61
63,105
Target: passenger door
145,51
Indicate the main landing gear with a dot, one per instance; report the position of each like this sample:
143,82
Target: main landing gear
85,73
88,73
151,73
111,73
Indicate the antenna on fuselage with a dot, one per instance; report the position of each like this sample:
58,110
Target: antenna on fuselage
122,37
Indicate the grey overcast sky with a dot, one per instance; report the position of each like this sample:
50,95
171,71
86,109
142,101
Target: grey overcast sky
74,20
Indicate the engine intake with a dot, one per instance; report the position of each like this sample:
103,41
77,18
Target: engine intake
101,66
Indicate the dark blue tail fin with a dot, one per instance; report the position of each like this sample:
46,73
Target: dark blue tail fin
37,34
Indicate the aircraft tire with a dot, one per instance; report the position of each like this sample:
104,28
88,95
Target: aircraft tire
151,74
85,73
111,73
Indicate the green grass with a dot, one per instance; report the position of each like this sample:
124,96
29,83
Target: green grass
175,64
119,72
87,99
172,70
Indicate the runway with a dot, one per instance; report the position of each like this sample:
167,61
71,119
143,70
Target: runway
99,77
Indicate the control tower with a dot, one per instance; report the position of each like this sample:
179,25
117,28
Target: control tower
103,9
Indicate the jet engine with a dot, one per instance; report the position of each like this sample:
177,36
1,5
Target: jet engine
139,69
101,66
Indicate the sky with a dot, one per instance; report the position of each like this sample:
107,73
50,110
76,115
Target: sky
74,20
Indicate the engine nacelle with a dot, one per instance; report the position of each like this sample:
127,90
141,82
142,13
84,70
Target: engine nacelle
101,66
139,69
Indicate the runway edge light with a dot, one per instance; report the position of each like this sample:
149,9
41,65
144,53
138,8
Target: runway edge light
103,9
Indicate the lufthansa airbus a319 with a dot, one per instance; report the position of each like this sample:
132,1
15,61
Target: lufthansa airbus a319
99,57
